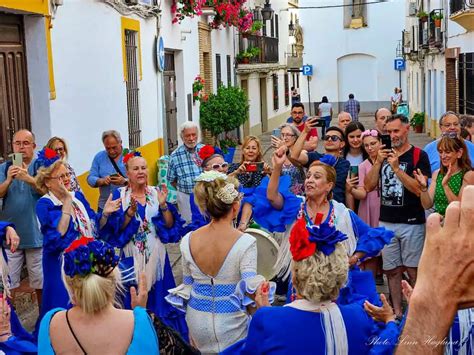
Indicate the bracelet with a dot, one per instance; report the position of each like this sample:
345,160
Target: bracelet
426,189
67,213
164,209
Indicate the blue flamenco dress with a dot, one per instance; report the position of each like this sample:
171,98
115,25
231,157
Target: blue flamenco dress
360,236
83,222
306,331
142,243
21,342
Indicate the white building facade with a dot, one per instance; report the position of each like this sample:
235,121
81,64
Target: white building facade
352,46
440,57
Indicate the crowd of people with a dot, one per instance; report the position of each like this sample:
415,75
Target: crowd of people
367,204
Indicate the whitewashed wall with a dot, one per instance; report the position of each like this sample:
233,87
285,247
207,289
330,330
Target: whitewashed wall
358,61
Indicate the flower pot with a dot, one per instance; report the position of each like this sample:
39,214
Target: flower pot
424,19
229,156
245,60
437,22
245,35
419,128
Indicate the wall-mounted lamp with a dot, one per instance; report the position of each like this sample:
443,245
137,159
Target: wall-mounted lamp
267,11
291,28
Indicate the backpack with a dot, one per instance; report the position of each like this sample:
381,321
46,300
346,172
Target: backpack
416,156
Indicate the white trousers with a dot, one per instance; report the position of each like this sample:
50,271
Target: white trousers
184,206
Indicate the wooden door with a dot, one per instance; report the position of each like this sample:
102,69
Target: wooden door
14,98
170,102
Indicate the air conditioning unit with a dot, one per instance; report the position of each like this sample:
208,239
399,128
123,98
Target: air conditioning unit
131,2
412,9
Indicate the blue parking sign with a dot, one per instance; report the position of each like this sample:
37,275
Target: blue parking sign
307,70
399,64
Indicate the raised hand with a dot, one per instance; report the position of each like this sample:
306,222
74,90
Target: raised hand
139,298
111,205
62,193
277,142
261,295
132,209
279,156
380,314
407,290
393,161
420,178
162,194
448,175
351,183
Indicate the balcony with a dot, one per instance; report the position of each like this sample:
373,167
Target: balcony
268,48
430,35
462,12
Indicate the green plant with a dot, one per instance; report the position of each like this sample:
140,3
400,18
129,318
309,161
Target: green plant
228,142
256,26
253,51
225,110
437,16
421,14
418,119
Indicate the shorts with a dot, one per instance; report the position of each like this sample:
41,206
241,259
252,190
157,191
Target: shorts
406,246
34,265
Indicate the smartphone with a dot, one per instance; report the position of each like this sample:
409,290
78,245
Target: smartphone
114,175
276,132
354,171
17,159
385,138
318,123
254,167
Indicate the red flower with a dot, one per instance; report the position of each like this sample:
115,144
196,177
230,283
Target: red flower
127,157
206,151
78,243
300,246
50,153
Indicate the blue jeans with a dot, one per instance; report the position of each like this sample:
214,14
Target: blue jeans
328,120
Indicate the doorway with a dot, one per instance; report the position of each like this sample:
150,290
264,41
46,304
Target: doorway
14,92
170,102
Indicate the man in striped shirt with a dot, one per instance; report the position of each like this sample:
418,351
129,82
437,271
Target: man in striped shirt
184,167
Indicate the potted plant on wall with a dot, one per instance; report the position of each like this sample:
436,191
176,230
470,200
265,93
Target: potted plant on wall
417,121
437,17
422,15
223,112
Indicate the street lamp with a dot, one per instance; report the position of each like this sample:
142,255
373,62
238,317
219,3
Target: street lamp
291,28
267,11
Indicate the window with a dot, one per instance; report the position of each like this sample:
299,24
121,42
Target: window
218,70
229,71
272,27
276,25
355,13
466,83
287,89
133,108
275,92
132,74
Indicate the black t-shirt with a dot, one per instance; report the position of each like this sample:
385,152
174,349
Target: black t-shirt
342,168
397,203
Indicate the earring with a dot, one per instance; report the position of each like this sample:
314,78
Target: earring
293,294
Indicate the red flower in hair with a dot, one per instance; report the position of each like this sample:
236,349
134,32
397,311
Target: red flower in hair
127,157
50,153
78,243
300,246
206,151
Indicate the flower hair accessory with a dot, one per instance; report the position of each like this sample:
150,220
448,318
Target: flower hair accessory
370,132
89,256
306,239
208,151
47,157
328,159
128,154
210,176
227,193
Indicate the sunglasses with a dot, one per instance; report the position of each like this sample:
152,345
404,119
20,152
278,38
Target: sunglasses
331,138
218,166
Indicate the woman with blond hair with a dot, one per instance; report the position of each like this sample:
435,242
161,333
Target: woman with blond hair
59,145
448,182
93,280
219,269
143,223
63,217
